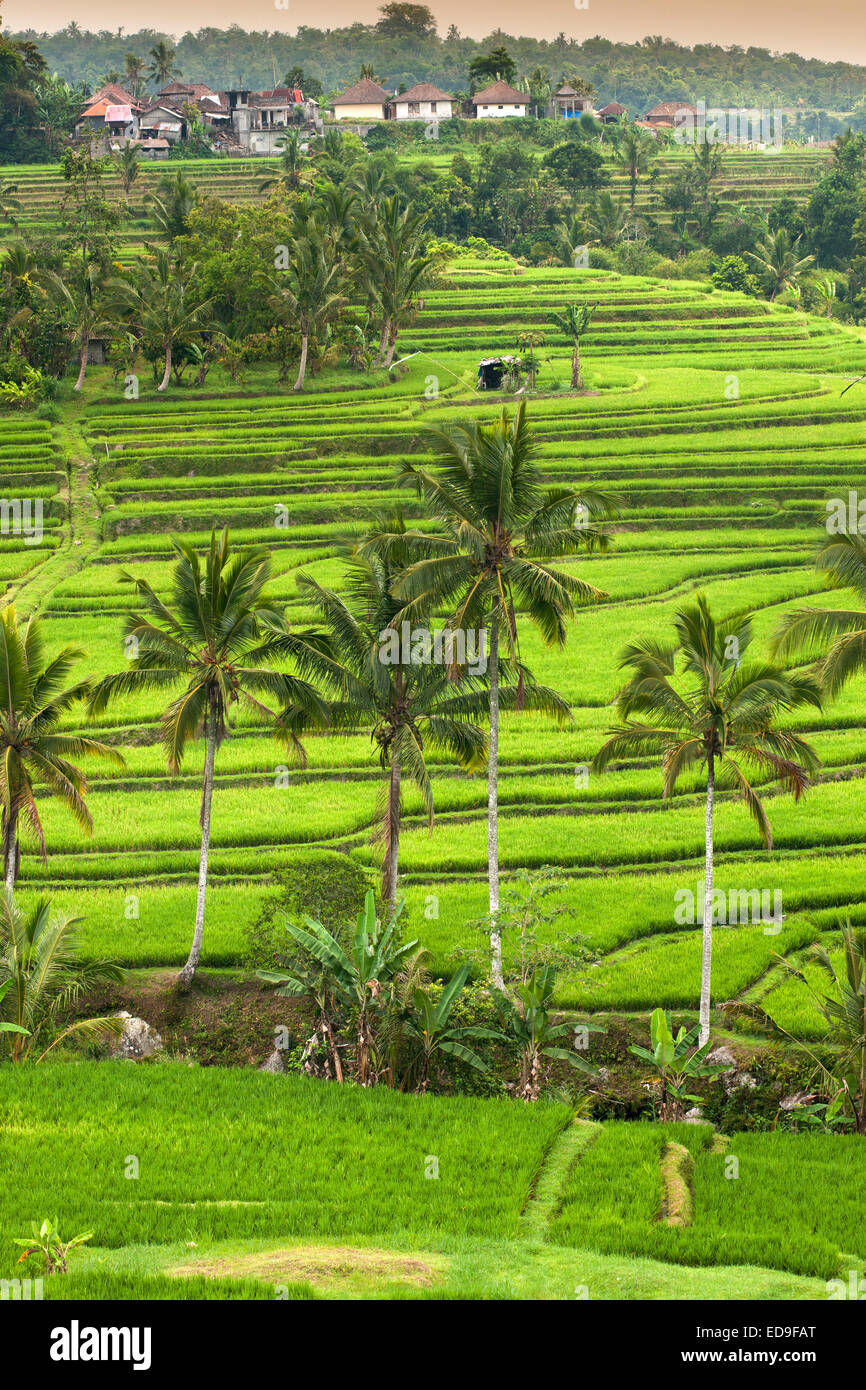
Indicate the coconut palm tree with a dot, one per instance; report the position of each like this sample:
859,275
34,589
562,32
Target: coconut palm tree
571,237
307,295
636,153
411,706
540,87
393,252
500,527
80,299
162,307
716,712
128,166
34,697
707,165
574,323
837,635
606,219
294,167
779,263
135,69
217,639
172,203
41,976
162,63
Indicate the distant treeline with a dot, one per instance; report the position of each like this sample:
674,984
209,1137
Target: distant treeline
638,75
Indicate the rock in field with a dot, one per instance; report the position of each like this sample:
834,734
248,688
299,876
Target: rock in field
138,1040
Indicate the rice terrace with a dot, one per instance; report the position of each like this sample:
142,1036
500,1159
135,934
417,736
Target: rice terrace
432,701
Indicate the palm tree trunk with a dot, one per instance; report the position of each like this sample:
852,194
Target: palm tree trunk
575,367
167,373
392,343
383,342
188,971
302,369
392,838
493,810
82,364
10,846
707,947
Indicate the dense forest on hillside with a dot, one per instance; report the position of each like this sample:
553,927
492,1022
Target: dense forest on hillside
638,75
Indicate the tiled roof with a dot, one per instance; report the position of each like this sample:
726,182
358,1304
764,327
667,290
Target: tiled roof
500,94
671,108
363,93
423,91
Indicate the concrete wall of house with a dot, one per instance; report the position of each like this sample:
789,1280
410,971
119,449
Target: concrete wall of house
358,113
425,111
492,113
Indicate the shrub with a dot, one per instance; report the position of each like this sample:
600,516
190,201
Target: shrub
322,884
732,273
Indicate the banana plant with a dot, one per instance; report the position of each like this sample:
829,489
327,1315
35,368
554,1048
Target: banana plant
432,1028
359,976
676,1065
529,1023
46,1241
312,980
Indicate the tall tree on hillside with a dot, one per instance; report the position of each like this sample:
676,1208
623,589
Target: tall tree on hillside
58,105
171,204
780,265
128,166
635,153
162,308
396,264
79,297
218,639
411,705
704,706
294,165
496,66
403,20
308,294
606,219
163,64
34,697
489,562
135,70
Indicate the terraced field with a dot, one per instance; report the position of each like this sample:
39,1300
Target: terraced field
721,427
327,1191
751,178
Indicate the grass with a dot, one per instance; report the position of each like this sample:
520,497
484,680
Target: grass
294,1158
777,1200
317,1191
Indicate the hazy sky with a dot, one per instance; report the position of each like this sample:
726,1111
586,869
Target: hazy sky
834,31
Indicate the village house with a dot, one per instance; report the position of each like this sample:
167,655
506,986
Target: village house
498,101
365,101
112,111
664,116
567,103
162,122
612,112
423,102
